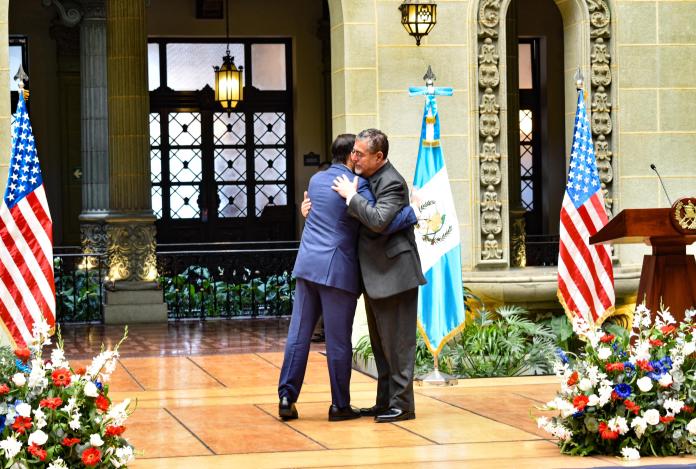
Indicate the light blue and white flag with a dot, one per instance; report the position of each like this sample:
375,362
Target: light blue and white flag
441,312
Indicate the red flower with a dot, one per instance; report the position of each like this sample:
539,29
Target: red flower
102,403
573,380
644,365
580,402
91,457
23,354
607,434
81,371
656,342
115,431
4,389
688,409
37,451
668,329
615,396
69,441
614,366
667,418
605,339
21,424
632,406
51,402
61,377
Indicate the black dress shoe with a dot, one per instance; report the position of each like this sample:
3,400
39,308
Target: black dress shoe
395,415
373,411
336,414
286,409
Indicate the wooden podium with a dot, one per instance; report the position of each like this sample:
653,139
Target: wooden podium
669,274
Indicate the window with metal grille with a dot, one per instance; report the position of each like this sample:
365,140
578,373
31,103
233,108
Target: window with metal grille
212,171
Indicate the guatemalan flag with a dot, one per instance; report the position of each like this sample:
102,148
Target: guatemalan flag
441,312
27,291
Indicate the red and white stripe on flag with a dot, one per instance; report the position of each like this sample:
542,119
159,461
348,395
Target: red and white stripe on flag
585,272
27,289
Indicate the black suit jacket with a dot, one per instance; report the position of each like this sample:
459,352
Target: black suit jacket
389,263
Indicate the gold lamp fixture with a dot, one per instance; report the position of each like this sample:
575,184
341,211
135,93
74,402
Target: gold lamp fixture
229,80
418,17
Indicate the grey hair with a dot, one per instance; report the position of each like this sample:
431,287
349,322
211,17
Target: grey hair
376,141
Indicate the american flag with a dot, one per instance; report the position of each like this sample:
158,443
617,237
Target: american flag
585,273
27,290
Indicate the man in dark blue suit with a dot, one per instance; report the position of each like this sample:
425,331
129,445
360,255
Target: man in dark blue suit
328,283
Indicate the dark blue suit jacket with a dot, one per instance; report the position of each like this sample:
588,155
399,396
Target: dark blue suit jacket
328,250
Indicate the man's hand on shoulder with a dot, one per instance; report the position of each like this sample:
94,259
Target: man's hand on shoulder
306,205
345,187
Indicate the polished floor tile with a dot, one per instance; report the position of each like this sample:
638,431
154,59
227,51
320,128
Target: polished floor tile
156,433
169,373
242,429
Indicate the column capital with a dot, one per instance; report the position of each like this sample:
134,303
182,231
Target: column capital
69,12
94,9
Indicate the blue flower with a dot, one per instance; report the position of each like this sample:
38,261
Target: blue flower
2,422
666,363
99,385
579,414
22,367
629,368
561,354
622,390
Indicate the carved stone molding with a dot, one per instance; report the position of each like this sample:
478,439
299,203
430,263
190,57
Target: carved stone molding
131,252
93,237
490,127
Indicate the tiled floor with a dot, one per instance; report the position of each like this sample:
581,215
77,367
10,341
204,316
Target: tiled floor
217,409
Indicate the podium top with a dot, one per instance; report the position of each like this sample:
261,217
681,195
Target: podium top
642,225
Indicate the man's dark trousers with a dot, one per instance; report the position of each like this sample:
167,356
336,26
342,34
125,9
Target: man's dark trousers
393,339
338,307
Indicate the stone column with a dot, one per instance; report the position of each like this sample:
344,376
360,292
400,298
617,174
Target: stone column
5,142
94,126
130,229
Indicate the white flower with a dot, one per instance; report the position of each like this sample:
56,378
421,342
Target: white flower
11,447
39,418
104,364
691,427
639,425
673,406
593,400
605,390
23,409
585,384
644,384
630,454
603,353
665,317
124,455
19,379
95,439
75,421
689,314
91,389
543,421
652,416
37,438
665,380
58,359
118,414
57,464
618,424
689,348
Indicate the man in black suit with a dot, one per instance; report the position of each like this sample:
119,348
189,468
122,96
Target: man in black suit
391,273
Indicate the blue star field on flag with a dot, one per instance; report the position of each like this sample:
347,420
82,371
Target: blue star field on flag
25,172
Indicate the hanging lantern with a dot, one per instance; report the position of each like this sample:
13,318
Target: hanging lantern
229,83
229,80
418,17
